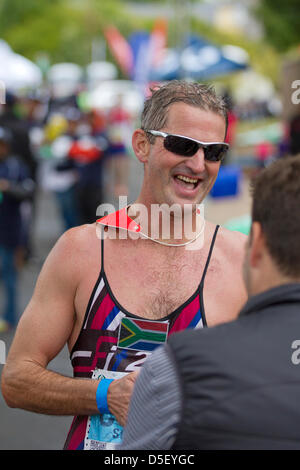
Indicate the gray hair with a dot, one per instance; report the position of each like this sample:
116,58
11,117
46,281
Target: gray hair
155,112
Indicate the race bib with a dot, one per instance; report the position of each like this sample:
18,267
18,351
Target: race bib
103,432
137,339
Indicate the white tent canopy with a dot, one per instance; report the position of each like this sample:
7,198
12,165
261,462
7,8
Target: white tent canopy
99,71
64,78
107,94
17,72
65,71
249,85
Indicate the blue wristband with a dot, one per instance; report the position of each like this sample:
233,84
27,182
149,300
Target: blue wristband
101,395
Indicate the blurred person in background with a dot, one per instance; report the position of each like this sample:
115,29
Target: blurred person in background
21,147
119,133
35,106
72,168
59,104
19,130
87,153
16,185
264,151
63,173
236,386
294,135
232,124
56,173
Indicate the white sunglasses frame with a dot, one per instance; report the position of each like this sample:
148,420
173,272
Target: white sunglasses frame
203,144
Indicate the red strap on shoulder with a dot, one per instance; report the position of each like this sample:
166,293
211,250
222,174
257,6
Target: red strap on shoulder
120,219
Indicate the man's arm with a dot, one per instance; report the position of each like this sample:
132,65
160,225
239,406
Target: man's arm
155,407
42,332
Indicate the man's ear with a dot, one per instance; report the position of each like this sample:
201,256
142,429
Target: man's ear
257,245
140,145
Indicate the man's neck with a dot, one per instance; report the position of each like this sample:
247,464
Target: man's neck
270,282
168,224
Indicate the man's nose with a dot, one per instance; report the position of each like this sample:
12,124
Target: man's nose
196,163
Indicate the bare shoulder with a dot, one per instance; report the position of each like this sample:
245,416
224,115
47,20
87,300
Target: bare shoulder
77,237
229,249
75,241
71,252
225,277
232,244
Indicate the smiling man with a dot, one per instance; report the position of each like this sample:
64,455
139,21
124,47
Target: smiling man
177,169
115,300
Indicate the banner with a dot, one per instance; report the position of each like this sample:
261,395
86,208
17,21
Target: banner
158,41
120,49
148,52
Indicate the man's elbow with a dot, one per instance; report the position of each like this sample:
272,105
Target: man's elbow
8,388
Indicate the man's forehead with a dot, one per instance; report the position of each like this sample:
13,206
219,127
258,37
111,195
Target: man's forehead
176,111
181,117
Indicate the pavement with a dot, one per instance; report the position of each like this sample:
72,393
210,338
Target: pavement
22,430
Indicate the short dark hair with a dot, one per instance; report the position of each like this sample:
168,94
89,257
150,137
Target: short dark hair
155,112
276,206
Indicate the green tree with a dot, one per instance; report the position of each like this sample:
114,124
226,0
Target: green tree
281,22
64,29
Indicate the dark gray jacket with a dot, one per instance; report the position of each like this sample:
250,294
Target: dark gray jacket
241,380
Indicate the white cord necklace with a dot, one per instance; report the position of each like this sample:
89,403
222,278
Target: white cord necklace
175,244
158,241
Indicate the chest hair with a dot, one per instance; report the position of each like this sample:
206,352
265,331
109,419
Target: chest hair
167,285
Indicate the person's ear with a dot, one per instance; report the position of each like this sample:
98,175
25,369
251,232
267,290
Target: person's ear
140,145
257,248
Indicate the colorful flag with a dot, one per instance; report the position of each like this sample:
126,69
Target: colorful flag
159,41
148,52
120,49
142,335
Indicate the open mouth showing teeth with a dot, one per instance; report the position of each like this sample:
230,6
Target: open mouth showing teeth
187,181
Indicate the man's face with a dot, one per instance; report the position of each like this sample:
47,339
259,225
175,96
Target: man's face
163,167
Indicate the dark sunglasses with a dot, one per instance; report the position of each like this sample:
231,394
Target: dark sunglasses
187,147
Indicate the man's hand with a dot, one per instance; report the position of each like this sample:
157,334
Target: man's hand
118,396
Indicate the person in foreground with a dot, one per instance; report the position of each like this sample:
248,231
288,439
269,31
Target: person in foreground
95,295
236,385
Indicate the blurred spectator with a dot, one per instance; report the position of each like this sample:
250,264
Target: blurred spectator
253,110
35,108
74,148
118,121
97,122
19,130
59,173
87,153
84,157
295,135
232,125
283,145
21,147
264,151
60,105
16,185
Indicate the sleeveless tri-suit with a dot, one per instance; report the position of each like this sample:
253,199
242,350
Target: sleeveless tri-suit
113,342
